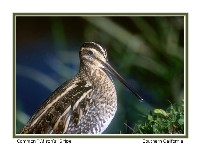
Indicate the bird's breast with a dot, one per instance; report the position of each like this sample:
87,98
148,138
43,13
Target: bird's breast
104,97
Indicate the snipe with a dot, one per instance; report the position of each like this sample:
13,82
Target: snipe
84,105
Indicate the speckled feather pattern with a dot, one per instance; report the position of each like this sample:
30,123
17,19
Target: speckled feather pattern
84,105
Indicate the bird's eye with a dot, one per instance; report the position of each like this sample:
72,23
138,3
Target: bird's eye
90,53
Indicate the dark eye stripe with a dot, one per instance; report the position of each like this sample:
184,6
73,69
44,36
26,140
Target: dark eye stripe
90,52
95,46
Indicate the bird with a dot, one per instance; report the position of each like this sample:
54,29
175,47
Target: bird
86,104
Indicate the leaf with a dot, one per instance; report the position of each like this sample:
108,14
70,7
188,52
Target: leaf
181,121
150,118
160,111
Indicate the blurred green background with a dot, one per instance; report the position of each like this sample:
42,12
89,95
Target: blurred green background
147,51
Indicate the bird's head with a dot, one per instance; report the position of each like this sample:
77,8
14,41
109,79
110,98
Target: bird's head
94,56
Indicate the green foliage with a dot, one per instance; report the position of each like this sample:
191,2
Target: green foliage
160,121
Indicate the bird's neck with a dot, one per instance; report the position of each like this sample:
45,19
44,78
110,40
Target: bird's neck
94,74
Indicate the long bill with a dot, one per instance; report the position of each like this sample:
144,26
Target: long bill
111,70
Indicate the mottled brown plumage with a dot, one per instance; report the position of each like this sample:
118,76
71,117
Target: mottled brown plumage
84,105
